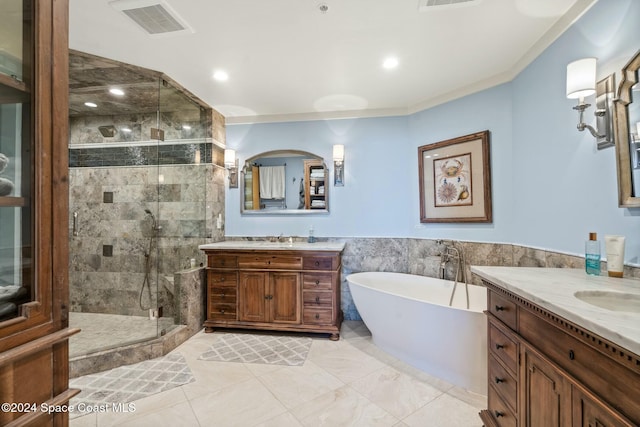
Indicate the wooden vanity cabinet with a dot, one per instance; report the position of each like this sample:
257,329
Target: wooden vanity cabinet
545,371
284,290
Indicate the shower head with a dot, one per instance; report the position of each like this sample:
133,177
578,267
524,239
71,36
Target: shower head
108,131
155,225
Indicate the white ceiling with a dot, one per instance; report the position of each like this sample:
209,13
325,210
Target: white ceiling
288,61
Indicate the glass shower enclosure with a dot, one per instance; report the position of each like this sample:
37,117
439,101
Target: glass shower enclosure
140,163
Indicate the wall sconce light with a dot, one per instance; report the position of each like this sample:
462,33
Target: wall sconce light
231,164
581,82
338,165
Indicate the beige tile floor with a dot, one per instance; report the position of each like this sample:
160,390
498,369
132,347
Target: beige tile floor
344,383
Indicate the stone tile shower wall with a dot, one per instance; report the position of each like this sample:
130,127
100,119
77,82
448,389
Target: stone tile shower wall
84,129
107,256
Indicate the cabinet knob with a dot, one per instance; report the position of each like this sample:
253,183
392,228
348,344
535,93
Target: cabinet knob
222,295
572,355
498,414
317,263
317,282
499,308
499,380
499,346
222,279
317,300
317,316
222,311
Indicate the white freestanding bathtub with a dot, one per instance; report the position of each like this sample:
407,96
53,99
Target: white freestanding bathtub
409,317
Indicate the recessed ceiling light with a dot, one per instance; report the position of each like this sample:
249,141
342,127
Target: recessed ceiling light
391,62
221,76
91,104
116,91
186,127
125,129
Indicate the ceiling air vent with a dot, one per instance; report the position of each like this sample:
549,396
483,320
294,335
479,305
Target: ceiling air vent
428,5
154,16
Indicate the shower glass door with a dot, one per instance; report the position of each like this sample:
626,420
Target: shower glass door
114,203
184,159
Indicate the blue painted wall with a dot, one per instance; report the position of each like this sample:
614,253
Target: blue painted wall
551,187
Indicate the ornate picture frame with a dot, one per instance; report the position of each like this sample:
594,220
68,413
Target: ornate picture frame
455,179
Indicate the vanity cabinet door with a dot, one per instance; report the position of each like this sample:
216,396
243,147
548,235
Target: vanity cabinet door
547,393
269,297
590,412
284,297
252,296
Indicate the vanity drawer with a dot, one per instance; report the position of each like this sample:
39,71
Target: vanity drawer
503,347
504,383
222,278
317,316
317,299
222,294
319,263
222,261
317,281
222,311
282,262
503,309
500,411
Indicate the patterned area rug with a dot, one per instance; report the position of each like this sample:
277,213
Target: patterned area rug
128,383
266,349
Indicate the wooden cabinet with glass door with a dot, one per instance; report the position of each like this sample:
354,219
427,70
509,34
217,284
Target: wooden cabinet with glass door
34,210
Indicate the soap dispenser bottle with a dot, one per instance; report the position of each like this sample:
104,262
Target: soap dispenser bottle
311,238
592,255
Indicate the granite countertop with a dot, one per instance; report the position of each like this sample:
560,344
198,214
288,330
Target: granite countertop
284,246
554,289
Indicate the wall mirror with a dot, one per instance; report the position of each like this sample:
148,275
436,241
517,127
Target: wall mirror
627,130
284,182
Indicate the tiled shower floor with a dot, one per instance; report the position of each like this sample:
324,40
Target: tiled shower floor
104,331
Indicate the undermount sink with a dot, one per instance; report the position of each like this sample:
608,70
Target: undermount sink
614,301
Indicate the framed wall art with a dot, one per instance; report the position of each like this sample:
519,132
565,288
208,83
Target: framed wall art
455,179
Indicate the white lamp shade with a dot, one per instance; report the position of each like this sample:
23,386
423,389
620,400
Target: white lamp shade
338,152
229,157
581,78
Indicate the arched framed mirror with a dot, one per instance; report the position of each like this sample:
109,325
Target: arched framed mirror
627,130
284,182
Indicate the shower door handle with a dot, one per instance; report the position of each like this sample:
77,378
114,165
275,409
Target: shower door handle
75,223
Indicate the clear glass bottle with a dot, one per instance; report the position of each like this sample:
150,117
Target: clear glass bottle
592,255
311,238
